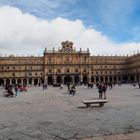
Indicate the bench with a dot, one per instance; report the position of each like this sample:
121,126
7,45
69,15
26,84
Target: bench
101,102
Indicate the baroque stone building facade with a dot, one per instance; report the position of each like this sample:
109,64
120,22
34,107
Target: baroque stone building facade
68,65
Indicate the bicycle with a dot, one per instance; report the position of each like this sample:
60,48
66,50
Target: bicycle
8,93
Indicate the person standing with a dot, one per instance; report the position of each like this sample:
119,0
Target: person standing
100,91
104,88
73,89
16,90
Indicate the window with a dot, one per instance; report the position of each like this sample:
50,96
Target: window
30,74
35,74
68,70
59,70
13,68
76,70
118,72
49,59
13,74
50,71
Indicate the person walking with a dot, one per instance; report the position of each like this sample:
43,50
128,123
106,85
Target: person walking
73,89
16,90
104,88
100,91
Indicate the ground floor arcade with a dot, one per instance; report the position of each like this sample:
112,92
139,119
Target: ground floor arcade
64,79
23,81
50,79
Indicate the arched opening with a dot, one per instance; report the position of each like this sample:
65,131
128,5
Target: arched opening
30,81
132,79
119,78
97,79
92,79
41,80
59,79
101,79
13,81
35,82
110,79
24,81
85,79
19,81
50,80
115,79
125,79
7,82
67,79
76,79
1,82
106,79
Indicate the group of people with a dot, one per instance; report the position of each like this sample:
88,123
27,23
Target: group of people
71,88
102,87
134,83
16,88
45,86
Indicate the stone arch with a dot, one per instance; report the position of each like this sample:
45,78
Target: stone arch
30,81
106,79
19,81
97,79
58,79
110,79
101,79
1,82
85,79
115,79
92,79
41,80
7,81
67,79
50,80
24,81
119,78
13,81
125,79
35,81
132,79
76,79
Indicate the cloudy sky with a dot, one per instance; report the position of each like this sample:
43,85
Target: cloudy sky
106,27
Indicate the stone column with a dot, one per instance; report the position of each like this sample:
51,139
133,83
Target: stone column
54,79
4,81
89,81
10,81
104,79
81,78
21,81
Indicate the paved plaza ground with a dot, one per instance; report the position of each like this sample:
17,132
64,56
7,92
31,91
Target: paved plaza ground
52,114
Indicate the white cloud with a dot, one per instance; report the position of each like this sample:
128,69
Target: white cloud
22,33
